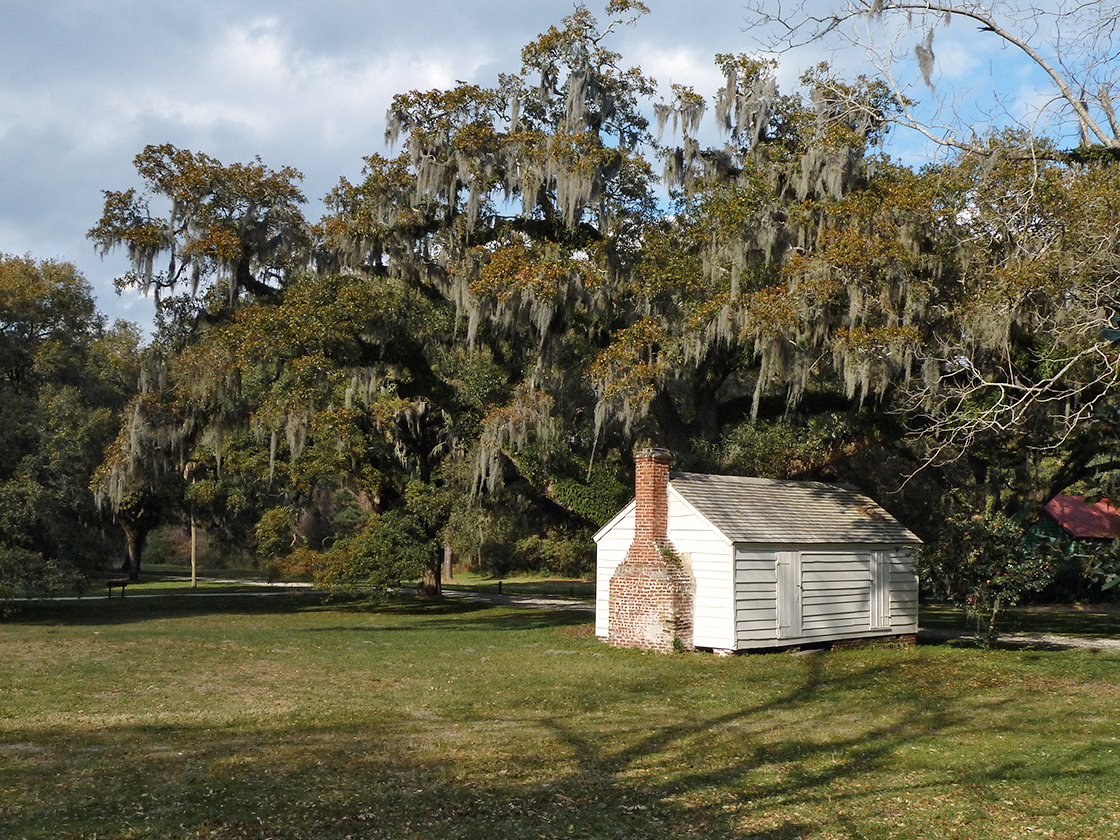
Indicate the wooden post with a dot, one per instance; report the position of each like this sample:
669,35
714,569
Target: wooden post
194,553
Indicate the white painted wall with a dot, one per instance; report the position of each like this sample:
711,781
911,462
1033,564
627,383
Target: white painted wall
611,544
707,556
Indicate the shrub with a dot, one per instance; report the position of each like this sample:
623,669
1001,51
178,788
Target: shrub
561,553
392,547
988,562
275,533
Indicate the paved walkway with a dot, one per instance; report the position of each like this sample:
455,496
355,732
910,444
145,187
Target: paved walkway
538,602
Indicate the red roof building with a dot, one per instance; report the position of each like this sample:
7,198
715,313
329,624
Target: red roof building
1080,519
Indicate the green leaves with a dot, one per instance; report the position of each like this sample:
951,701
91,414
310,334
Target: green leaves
511,295
62,380
238,225
986,562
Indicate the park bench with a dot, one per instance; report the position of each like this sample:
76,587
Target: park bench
121,582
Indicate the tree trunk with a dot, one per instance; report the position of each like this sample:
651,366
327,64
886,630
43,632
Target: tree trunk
431,584
990,636
194,553
134,536
707,420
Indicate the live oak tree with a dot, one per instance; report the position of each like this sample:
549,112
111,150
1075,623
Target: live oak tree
1025,204
237,227
64,377
518,204
230,234
541,278
722,312
346,378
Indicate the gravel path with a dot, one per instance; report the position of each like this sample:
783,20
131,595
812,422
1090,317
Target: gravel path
1044,641
523,601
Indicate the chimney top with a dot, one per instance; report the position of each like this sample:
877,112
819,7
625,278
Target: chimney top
654,453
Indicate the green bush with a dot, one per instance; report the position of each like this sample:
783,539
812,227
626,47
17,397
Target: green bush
778,449
275,533
392,547
560,553
987,562
28,574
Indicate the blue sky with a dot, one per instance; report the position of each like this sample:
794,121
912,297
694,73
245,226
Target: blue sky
86,84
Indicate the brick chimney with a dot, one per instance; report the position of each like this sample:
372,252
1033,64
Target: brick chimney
650,592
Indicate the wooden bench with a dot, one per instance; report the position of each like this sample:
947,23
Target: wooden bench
121,582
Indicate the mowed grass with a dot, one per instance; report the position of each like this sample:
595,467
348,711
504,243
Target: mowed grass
1085,621
289,717
532,586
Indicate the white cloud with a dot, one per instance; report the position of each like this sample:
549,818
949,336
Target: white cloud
679,64
84,86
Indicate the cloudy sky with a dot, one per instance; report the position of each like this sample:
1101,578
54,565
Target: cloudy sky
86,84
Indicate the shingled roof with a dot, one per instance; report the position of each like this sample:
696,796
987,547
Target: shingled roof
1081,519
764,510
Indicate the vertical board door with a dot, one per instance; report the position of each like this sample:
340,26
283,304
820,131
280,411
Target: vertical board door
756,595
789,594
880,589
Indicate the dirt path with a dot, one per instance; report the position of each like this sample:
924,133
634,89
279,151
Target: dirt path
538,602
1043,641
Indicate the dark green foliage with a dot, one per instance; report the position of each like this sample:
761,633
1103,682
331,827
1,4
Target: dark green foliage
63,379
781,449
594,494
1084,569
276,533
559,553
986,563
465,351
391,548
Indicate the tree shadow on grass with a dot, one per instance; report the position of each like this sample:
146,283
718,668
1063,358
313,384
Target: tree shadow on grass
433,613
778,768
1102,621
805,765
110,611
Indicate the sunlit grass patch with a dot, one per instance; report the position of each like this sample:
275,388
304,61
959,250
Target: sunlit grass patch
301,717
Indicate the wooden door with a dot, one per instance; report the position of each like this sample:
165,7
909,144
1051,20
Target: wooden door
789,594
880,589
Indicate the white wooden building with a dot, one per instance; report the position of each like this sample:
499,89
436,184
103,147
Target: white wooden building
776,563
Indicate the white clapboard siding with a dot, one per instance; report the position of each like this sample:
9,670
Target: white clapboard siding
756,595
707,556
836,593
612,544
904,593
776,590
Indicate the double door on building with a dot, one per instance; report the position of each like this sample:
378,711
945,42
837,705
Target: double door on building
810,593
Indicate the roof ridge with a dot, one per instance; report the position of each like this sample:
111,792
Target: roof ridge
763,479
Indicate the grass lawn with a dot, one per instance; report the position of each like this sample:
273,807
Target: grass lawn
1091,621
231,716
579,590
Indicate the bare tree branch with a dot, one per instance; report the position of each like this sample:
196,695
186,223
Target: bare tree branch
1072,43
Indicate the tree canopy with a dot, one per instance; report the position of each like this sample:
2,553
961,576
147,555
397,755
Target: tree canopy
466,348
64,377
